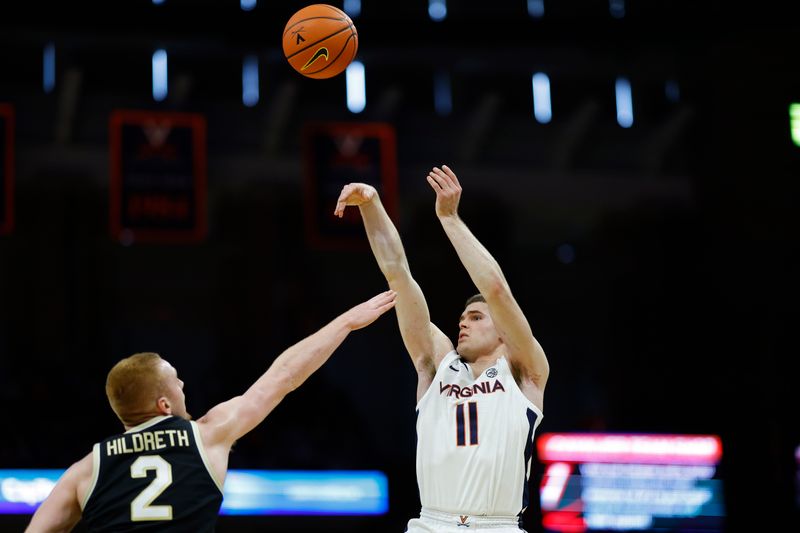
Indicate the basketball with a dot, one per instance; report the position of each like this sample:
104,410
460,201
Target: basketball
319,41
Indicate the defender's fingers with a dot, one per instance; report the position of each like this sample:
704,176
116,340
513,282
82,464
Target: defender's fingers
383,304
387,306
389,296
384,295
386,301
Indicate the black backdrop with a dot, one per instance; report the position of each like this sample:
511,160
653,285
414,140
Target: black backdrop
676,314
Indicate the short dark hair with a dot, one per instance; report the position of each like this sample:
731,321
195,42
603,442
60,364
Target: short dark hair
477,298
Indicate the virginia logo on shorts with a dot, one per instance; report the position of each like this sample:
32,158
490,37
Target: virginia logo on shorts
463,521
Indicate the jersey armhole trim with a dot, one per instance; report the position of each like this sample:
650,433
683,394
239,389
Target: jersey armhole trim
95,474
446,360
531,405
202,450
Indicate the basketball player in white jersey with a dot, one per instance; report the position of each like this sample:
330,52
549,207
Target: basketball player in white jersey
477,406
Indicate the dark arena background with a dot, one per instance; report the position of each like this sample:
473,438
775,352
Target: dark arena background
168,181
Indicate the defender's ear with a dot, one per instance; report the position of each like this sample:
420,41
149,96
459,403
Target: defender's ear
163,406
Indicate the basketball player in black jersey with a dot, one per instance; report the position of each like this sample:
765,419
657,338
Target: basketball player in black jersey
166,472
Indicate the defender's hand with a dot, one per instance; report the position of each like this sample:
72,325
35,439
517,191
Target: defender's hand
354,194
366,313
448,191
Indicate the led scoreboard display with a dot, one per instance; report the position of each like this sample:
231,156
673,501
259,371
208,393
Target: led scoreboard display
630,482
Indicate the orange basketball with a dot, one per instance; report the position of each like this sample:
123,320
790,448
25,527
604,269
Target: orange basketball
319,41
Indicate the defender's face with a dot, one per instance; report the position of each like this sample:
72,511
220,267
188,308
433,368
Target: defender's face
174,391
476,332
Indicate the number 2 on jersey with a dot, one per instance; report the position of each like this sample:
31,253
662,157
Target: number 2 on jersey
140,506
461,430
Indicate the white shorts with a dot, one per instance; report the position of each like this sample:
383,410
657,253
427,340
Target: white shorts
431,521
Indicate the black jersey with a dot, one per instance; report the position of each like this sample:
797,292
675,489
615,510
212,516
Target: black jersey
154,477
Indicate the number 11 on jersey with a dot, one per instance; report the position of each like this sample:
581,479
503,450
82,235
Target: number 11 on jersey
461,430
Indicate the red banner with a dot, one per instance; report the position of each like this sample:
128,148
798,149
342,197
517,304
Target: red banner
339,153
158,176
6,168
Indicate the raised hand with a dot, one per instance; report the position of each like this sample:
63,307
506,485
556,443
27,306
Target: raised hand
367,312
448,191
354,194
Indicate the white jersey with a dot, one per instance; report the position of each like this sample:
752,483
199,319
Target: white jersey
475,441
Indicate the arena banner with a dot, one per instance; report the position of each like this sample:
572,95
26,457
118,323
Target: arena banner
6,168
158,177
338,153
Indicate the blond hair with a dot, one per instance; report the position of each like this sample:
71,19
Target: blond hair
133,386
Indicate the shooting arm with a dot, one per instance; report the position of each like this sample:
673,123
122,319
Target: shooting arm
525,353
425,343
